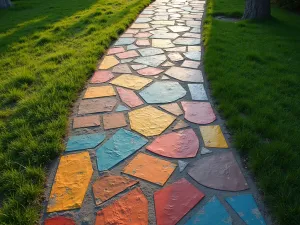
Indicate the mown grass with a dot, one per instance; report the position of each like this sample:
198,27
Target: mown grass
254,72
48,49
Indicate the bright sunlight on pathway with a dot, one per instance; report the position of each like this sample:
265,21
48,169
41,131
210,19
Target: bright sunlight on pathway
146,145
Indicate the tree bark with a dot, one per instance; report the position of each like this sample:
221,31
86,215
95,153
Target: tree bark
5,3
257,9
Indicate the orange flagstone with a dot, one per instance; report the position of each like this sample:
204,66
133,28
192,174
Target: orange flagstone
107,186
98,92
131,209
108,62
149,71
86,121
172,108
150,168
114,120
213,137
128,54
129,97
71,182
59,220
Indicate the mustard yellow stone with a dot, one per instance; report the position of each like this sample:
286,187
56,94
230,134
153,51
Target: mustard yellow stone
98,92
213,137
108,62
131,81
71,182
150,121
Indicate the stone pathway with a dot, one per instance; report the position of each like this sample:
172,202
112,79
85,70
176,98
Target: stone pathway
146,145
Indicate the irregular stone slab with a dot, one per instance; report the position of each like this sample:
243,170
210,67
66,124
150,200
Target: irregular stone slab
162,43
97,105
120,146
193,55
187,41
172,108
245,206
131,81
132,31
213,137
147,12
182,165
160,18
149,121
131,208
138,66
180,124
121,108
125,41
194,48
127,35
126,60
165,78
128,54
150,51
163,92
173,202
149,71
122,68
101,76
150,168
165,35
179,28
108,62
98,92
86,121
212,212
107,186
163,22
219,171
165,65
129,97
130,47
175,56
185,74
181,144
198,112
139,26
143,42
176,49
154,61
142,20
85,141
59,220
205,151
115,50
193,23
190,64
191,35
114,120
174,10
196,30
197,92
71,182
143,35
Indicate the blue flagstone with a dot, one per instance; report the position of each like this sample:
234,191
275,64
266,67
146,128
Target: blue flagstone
125,41
193,55
121,145
80,142
245,206
121,108
163,92
213,213
197,92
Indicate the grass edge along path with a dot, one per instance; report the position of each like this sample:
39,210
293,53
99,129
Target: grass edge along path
253,69
41,75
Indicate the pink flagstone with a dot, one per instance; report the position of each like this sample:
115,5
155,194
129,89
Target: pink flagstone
129,97
143,35
198,112
149,71
181,144
101,76
115,50
143,42
128,54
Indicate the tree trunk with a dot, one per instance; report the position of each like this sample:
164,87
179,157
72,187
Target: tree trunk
257,9
5,3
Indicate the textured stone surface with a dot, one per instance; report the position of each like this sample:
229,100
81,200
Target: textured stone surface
179,28
129,97
114,120
125,41
86,121
213,136
150,168
175,56
131,81
190,64
122,68
193,55
172,108
162,43
108,62
84,141
185,74
149,71
198,112
121,108
101,76
98,92
59,220
180,124
154,61
115,50
197,92
97,105
128,54
187,41
150,51
142,42
182,165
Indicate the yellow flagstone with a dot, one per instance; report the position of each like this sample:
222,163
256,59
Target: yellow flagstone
71,182
131,81
150,121
194,48
213,137
108,62
98,92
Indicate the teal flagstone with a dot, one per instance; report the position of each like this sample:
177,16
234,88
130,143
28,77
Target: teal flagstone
80,142
121,145
163,92
211,213
121,108
246,208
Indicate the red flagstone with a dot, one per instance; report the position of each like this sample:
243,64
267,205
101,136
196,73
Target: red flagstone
128,54
86,121
59,220
115,50
175,201
149,71
114,120
181,144
105,104
142,42
129,97
143,35
198,112
101,76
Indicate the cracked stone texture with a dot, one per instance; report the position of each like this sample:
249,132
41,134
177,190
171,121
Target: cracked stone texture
164,42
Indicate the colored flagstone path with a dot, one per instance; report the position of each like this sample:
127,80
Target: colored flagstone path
145,142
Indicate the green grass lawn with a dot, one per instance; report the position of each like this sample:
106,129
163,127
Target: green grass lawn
254,71
48,49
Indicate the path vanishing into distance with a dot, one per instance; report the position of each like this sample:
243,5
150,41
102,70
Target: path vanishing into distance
145,143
